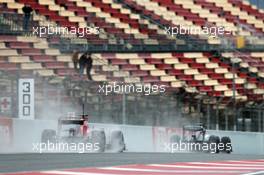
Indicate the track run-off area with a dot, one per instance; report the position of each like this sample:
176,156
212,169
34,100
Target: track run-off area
131,163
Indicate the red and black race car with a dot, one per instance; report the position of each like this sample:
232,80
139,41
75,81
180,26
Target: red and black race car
76,130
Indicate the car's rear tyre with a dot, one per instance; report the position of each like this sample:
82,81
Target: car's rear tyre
213,144
117,141
48,135
227,141
99,139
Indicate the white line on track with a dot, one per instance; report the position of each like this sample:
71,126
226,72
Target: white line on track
255,173
206,167
169,171
71,173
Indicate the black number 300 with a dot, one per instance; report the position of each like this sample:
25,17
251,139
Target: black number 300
26,86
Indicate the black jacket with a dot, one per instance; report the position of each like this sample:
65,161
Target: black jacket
82,60
27,10
89,61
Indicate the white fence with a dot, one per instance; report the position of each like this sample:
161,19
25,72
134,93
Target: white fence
23,133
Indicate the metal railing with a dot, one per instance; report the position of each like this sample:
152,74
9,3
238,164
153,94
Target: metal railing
172,108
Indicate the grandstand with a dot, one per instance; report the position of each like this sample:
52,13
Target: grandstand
218,80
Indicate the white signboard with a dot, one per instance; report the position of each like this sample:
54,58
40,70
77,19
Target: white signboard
26,97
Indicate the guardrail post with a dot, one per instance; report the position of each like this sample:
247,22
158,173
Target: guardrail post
226,120
124,109
262,121
259,120
217,116
208,116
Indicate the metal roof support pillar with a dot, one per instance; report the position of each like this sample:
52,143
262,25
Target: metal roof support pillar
208,116
124,119
260,116
226,119
217,113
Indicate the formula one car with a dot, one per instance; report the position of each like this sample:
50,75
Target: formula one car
197,139
76,130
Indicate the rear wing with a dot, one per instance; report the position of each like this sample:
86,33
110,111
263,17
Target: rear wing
187,129
193,128
69,121
72,118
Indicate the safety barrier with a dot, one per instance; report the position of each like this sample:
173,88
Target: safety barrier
22,134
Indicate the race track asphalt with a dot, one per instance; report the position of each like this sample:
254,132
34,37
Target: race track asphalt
52,161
